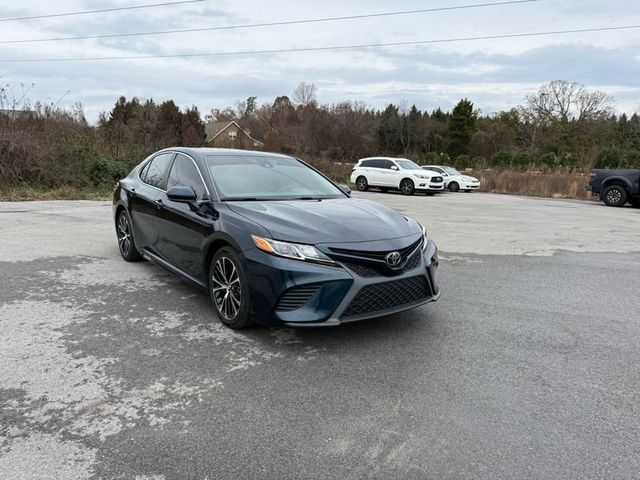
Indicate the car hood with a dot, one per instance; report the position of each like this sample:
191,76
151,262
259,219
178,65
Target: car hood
327,221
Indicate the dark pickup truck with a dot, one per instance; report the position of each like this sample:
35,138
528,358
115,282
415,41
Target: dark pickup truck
616,187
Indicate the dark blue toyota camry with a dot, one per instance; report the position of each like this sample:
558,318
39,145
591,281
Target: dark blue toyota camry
273,240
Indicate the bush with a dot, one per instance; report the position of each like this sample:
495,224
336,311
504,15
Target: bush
502,158
616,158
521,159
105,172
479,162
462,162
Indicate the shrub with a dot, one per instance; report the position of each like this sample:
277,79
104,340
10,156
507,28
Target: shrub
104,171
479,162
462,162
502,158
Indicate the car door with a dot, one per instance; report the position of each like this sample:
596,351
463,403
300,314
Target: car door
181,229
142,199
369,170
377,172
389,177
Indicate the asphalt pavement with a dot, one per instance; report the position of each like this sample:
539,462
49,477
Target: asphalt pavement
527,366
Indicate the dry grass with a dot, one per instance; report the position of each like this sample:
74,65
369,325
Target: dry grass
24,193
558,184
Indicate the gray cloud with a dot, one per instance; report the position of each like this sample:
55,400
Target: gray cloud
494,74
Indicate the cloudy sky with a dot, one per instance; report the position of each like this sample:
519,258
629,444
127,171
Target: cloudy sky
494,74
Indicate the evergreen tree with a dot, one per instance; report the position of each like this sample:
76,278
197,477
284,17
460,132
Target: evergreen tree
462,122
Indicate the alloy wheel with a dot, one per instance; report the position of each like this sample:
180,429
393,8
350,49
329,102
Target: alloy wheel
614,196
226,288
124,235
362,184
407,187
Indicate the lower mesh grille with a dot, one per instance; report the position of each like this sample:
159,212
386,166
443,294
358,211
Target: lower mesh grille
296,297
381,296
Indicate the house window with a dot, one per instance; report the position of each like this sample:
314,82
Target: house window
233,134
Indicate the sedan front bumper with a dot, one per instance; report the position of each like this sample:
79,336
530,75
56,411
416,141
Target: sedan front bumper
295,293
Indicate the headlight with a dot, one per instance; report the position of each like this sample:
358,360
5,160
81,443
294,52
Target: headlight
291,250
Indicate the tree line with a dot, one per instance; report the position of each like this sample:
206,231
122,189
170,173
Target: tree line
562,126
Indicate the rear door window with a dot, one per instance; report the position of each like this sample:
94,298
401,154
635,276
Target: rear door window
155,174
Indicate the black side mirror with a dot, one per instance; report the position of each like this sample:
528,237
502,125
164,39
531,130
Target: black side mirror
345,188
181,193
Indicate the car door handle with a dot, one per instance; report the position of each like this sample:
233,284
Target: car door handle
159,203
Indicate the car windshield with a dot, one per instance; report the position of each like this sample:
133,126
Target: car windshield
451,171
264,177
408,165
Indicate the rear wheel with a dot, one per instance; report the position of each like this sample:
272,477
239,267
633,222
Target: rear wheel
454,187
126,244
229,290
407,187
362,184
614,196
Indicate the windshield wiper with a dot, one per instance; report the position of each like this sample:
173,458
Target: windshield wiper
243,199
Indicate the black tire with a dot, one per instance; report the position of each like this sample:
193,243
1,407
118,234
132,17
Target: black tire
228,289
124,234
614,195
361,184
454,187
407,187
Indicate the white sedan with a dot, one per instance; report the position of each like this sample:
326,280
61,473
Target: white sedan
453,179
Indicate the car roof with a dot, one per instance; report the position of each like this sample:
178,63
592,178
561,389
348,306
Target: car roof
210,151
383,158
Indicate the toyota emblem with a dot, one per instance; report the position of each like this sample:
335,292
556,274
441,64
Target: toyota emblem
393,259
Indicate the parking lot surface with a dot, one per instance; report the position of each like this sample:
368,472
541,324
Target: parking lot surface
527,367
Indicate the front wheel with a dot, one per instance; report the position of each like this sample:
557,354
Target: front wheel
229,290
407,187
362,184
614,195
454,187
124,232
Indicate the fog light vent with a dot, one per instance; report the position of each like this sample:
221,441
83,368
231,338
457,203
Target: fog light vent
296,297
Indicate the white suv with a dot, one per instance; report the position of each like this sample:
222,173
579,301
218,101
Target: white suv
395,173
453,179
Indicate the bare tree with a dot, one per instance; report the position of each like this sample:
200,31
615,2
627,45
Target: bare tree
564,102
304,94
